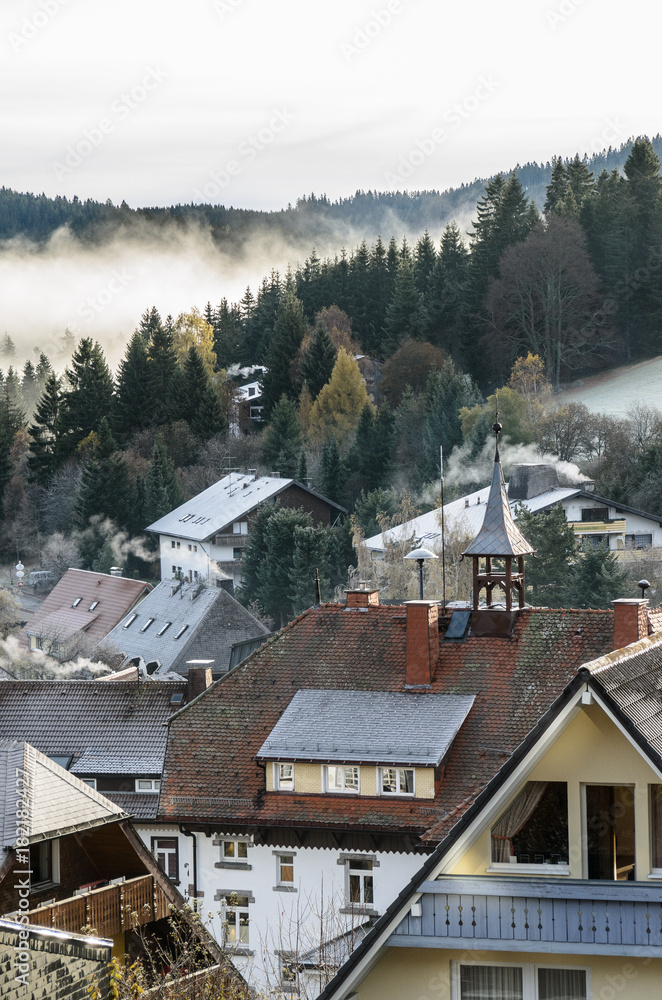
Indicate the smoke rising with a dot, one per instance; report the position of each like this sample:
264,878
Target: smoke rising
463,470
37,665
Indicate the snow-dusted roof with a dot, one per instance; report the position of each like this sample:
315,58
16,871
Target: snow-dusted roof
468,511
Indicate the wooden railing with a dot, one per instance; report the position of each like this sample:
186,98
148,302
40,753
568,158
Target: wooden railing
109,910
582,916
598,527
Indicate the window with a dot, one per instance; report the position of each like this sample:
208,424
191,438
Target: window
518,982
180,632
359,873
164,628
251,391
190,547
609,825
76,602
174,570
285,873
342,779
236,553
166,852
147,624
235,850
148,784
64,760
129,620
534,830
45,863
34,642
237,919
656,825
284,777
93,605
195,548
595,514
179,545
639,541
172,544
396,781
92,782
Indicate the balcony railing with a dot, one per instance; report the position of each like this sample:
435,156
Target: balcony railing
598,527
518,914
109,910
236,541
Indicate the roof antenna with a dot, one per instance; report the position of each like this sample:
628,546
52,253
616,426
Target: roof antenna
318,590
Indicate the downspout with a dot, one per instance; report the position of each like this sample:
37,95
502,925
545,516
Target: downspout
189,833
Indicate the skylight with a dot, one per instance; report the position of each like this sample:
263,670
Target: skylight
129,620
177,698
164,628
181,631
186,517
147,624
93,605
76,602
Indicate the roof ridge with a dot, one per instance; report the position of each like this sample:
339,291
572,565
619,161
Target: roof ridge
622,655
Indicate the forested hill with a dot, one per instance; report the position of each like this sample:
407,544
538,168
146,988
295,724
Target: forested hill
365,214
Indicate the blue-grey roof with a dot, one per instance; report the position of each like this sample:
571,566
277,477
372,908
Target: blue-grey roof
220,505
215,623
381,727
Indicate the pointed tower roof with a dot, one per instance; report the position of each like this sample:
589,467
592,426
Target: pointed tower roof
499,535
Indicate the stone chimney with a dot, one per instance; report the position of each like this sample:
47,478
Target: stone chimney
362,598
528,481
199,679
422,642
630,621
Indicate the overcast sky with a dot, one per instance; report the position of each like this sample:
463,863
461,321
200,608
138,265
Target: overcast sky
253,103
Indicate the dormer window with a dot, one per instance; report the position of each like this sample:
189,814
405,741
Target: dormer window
342,779
284,777
396,781
148,784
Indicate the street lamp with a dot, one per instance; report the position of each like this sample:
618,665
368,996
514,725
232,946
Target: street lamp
420,555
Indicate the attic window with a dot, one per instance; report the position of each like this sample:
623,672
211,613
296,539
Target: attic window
76,602
164,628
177,698
129,620
181,631
93,605
147,624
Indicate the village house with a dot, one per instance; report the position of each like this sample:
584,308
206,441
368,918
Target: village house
307,786
182,624
80,611
595,520
204,539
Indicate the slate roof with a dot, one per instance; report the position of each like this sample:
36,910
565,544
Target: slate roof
111,729
228,500
499,535
514,679
382,727
215,622
51,800
115,595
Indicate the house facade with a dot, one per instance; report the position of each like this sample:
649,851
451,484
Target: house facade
204,539
550,885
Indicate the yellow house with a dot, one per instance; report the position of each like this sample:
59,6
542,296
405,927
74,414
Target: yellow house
550,886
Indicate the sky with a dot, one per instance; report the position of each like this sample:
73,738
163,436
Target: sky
254,103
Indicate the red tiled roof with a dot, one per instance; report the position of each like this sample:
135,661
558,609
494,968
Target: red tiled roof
211,773
116,596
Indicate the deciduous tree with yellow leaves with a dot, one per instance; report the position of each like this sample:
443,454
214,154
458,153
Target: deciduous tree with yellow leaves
337,409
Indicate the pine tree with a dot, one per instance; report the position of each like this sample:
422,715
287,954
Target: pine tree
29,387
445,310
379,294
7,347
278,568
404,316
42,457
229,343
596,579
194,382
88,398
150,324
446,391
106,486
554,542
580,180
162,490
282,439
332,471
163,381
310,555
302,469
289,331
424,261
130,404
210,419
318,360
558,187
43,370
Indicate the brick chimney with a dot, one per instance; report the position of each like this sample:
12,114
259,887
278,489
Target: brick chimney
422,642
362,598
630,621
199,679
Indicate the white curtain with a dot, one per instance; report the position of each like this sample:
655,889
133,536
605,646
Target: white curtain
516,819
561,984
490,982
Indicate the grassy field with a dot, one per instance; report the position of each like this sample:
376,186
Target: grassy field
614,392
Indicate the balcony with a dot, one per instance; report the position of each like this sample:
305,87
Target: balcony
598,527
110,909
519,914
234,540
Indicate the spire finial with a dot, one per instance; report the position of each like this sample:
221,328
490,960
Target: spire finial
497,428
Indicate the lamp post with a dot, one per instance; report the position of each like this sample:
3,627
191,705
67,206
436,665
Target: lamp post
420,555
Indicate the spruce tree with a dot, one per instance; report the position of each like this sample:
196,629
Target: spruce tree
332,472
310,555
282,439
558,187
210,418
44,430
163,381
88,398
445,301
162,490
318,360
302,469
554,542
29,387
194,382
130,404
424,261
596,579
289,331
404,316
106,486
150,323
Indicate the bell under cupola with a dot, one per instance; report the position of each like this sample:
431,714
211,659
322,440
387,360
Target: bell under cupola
499,548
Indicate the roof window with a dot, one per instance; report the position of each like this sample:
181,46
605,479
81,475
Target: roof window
180,632
186,517
76,602
93,605
164,628
129,621
177,698
147,624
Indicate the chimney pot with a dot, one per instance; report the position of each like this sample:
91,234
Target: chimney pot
422,642
630,621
